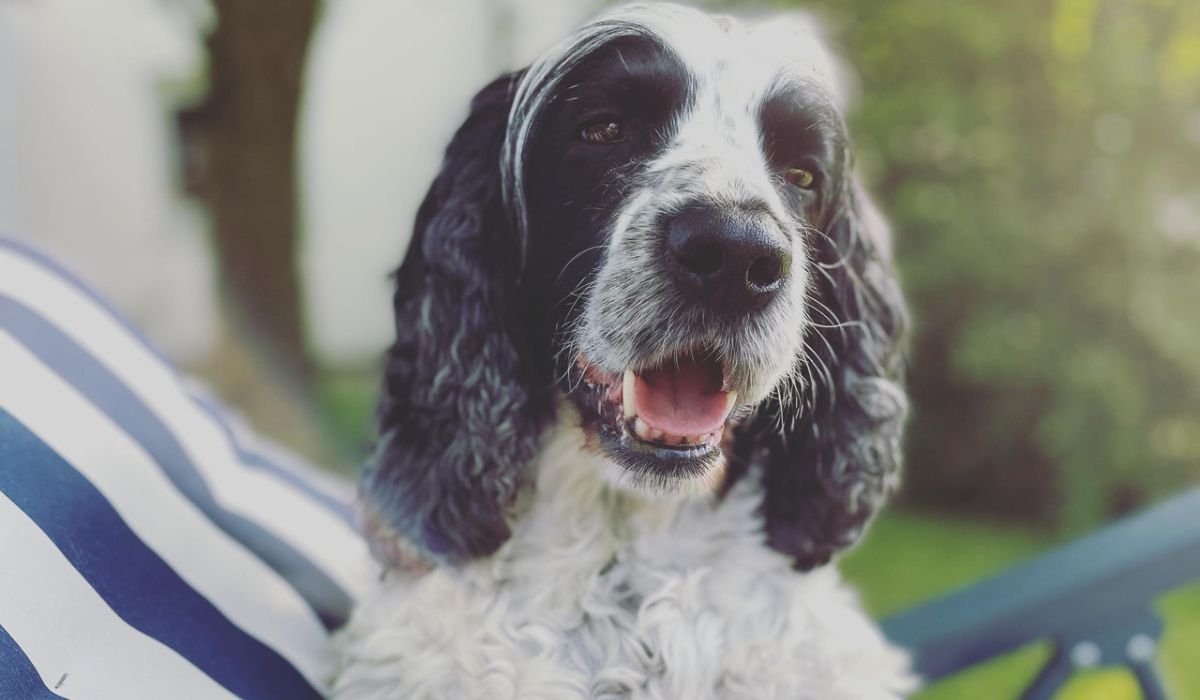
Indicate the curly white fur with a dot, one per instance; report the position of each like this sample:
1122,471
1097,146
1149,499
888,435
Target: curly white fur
605,593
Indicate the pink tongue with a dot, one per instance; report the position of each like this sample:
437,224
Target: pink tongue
682,399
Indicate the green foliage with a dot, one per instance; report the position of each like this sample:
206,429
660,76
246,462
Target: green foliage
1040,162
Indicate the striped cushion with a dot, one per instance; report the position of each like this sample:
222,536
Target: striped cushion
150,545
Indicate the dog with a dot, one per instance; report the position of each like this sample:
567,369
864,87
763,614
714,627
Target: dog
647,382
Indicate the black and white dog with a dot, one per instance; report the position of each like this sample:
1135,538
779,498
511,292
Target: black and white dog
647,380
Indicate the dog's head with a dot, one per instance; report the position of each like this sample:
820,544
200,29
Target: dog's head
656,221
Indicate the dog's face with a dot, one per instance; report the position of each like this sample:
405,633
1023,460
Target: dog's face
674,182
656,224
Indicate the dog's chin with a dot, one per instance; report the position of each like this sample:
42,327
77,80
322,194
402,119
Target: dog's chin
656,469
662,430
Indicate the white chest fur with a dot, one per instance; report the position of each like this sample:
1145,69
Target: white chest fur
602,593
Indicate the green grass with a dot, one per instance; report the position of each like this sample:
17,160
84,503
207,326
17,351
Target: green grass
911,557
347,405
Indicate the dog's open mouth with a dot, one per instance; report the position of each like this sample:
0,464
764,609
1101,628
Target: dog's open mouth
675,412
678,404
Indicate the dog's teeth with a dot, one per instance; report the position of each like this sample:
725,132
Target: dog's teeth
730,402
645,431
628,394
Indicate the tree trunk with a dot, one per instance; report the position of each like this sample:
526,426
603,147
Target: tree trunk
245,134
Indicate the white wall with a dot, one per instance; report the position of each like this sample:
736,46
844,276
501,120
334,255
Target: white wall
85,90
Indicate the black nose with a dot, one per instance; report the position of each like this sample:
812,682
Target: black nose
727,258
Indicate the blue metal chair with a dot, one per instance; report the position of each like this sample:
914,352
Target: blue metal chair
1092,599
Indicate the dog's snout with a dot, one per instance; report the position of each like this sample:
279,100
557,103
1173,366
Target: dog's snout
726,258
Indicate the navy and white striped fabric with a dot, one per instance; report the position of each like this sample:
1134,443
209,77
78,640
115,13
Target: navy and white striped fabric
150,545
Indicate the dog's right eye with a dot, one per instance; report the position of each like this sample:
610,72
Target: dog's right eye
602,133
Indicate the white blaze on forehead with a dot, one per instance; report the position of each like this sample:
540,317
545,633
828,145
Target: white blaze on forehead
749,58
733,66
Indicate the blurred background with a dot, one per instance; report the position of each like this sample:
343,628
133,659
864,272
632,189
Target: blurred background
240,177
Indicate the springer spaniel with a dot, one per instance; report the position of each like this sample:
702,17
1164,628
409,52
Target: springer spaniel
646,383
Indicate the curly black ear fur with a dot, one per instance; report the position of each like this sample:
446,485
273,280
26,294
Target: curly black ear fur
830,464
458,417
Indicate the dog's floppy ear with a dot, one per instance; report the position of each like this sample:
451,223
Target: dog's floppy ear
829,464
458,416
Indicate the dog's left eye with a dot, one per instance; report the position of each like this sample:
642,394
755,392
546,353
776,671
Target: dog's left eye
800,177
602,133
